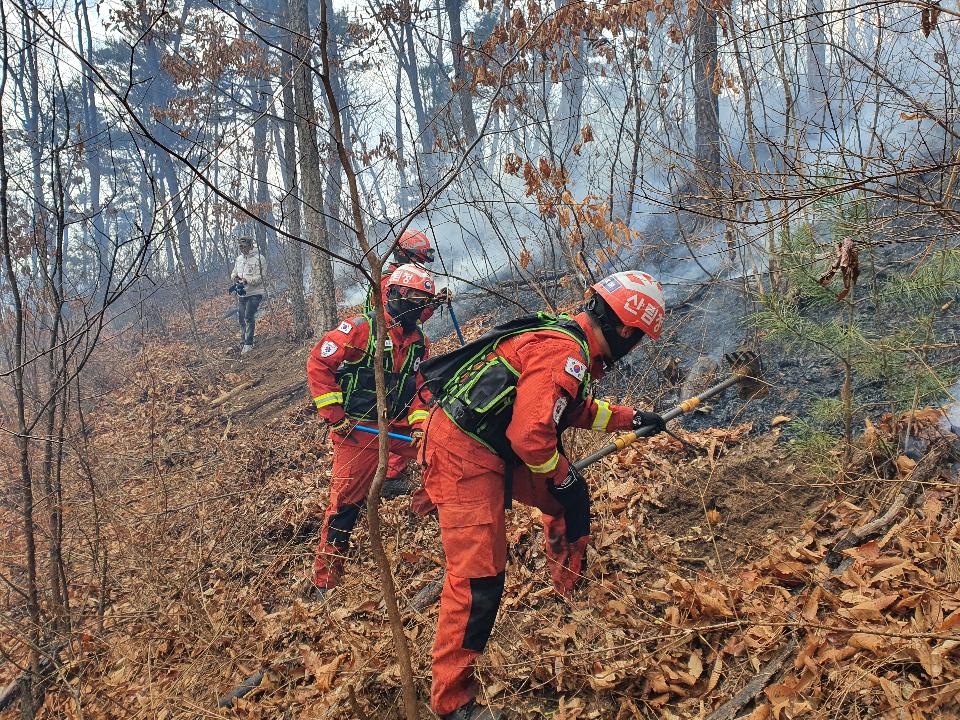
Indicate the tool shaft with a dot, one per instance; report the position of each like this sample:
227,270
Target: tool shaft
456,323
375,431
686,406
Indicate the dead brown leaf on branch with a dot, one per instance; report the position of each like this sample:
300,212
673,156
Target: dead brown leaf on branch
847,263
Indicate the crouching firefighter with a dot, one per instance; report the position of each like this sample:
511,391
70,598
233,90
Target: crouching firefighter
502,402
340,372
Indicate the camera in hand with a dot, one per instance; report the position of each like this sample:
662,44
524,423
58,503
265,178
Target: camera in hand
240,288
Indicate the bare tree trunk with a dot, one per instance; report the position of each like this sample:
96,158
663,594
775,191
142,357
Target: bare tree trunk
571,95
460,79
259,94
706,101
324,299
93,127
816,75
290,205
398,131
408,60
18,359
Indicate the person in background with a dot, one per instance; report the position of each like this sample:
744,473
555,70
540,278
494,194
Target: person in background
248,275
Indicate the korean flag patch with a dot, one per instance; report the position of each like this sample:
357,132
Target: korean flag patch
345,327
575,367
328,348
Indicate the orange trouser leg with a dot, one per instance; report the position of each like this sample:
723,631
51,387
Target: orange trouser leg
466,482
354,465
396,464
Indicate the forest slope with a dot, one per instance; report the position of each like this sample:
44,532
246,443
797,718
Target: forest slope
704,567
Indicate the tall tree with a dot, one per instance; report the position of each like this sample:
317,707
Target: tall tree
706,99
324,298
290,204
817,73
94,140
461,82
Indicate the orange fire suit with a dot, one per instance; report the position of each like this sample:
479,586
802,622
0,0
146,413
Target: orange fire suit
355,456
466,480
396,462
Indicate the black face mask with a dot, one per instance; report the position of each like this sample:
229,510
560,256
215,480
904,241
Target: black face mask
406,311
418,257
619,345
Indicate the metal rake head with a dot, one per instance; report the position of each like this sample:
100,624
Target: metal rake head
746,365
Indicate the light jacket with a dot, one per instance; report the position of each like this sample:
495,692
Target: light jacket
251,269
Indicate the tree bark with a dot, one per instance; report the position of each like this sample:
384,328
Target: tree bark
93,126
18,359
571,95
816,72
706,101
323,294
460,80
290,205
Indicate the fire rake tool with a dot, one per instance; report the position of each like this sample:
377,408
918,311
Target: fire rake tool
745,371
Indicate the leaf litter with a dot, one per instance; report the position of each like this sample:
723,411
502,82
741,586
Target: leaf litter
701,568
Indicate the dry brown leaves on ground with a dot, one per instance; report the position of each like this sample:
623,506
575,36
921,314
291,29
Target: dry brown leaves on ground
702,567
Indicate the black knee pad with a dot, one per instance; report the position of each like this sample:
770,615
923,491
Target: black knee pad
341,525
485,595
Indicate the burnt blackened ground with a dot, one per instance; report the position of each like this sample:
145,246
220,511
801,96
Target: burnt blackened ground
710,321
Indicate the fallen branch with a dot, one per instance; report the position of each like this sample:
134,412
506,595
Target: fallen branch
233,393
753,688
925,470
427,595
250,684
11,693
280,394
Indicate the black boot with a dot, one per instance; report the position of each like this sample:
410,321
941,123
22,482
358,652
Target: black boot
472,711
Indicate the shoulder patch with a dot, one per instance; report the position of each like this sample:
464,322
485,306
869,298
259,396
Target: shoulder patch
388,344
558,409
575,368
328,348
345,327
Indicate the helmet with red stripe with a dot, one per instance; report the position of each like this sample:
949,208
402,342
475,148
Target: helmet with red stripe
414,247
631,299
411,276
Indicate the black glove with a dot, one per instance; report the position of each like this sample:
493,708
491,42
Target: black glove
574,495
642,418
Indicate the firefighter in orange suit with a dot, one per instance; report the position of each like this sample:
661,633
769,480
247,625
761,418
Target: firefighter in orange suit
340,372
502,403
414,248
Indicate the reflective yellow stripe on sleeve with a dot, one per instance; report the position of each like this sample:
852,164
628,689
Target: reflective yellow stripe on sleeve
328,399
418,416
602,418
549,466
